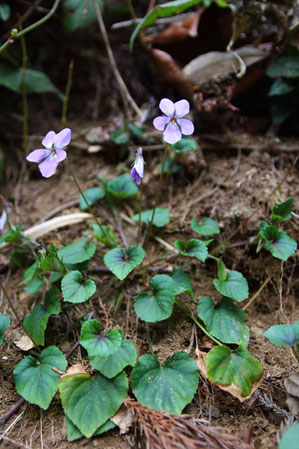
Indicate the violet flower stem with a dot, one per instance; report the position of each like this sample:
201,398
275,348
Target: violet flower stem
67,92
256,294
14,409
84,197
139,218
156,199
17,35
24,94
15,312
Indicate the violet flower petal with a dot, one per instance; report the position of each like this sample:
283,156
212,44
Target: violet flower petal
38,155
62,139
49,139
139,166
167,107
48,167
135,176
182,108
59,156
172,134
160,122
187,126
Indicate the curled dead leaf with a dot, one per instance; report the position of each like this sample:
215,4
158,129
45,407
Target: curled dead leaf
75,369
233,389
124,419
171,72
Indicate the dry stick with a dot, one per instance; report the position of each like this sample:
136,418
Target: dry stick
67,92
124,93
256,294
15,312
14,409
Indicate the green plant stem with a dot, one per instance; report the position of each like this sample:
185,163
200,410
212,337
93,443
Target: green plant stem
156,199
15,36
84,197
204,330
256,294
15,313
67,92
149,339
139,218
134,17
24,94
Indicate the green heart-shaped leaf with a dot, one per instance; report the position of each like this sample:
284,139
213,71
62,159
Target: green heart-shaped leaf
284,335
92,196
96,343
225,321
169,387
161,217
182,282
234,286
89,401
73,290
35,380
121,187
238,367
112,365
122,262
208,227
278,242
77,252
282,211
193,248
73,433
36,323
156,307
4,324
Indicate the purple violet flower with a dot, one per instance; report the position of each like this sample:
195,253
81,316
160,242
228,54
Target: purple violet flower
49,157
173,124
138,167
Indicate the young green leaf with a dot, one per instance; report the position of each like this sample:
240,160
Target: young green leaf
74,290
89,401
120,136
14,234
122,262
193,248
77,252
35,380
36,82
286,66
112,365
278,242
208,226
238,367
31,272
169,387
35,284
234,286
96,343
290,438
161,217
221,270
121,187
79,15
4,324
73,433
108,237
184,145
280,87
282,211
225,321
36,323
182,282
284,335
92,195
159,306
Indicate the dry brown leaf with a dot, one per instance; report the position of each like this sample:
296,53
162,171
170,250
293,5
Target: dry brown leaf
24,343
292,386
218,64
171,72
124,419
233,389
178,31
75,369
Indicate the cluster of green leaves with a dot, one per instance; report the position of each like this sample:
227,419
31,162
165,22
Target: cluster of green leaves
274,240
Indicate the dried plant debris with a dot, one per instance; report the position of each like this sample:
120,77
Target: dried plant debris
292,386
163,431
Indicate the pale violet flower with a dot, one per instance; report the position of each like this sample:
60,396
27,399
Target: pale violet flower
173,124
138,167
49,157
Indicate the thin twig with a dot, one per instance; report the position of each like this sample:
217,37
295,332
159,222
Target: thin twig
67,92
256,294
124,93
